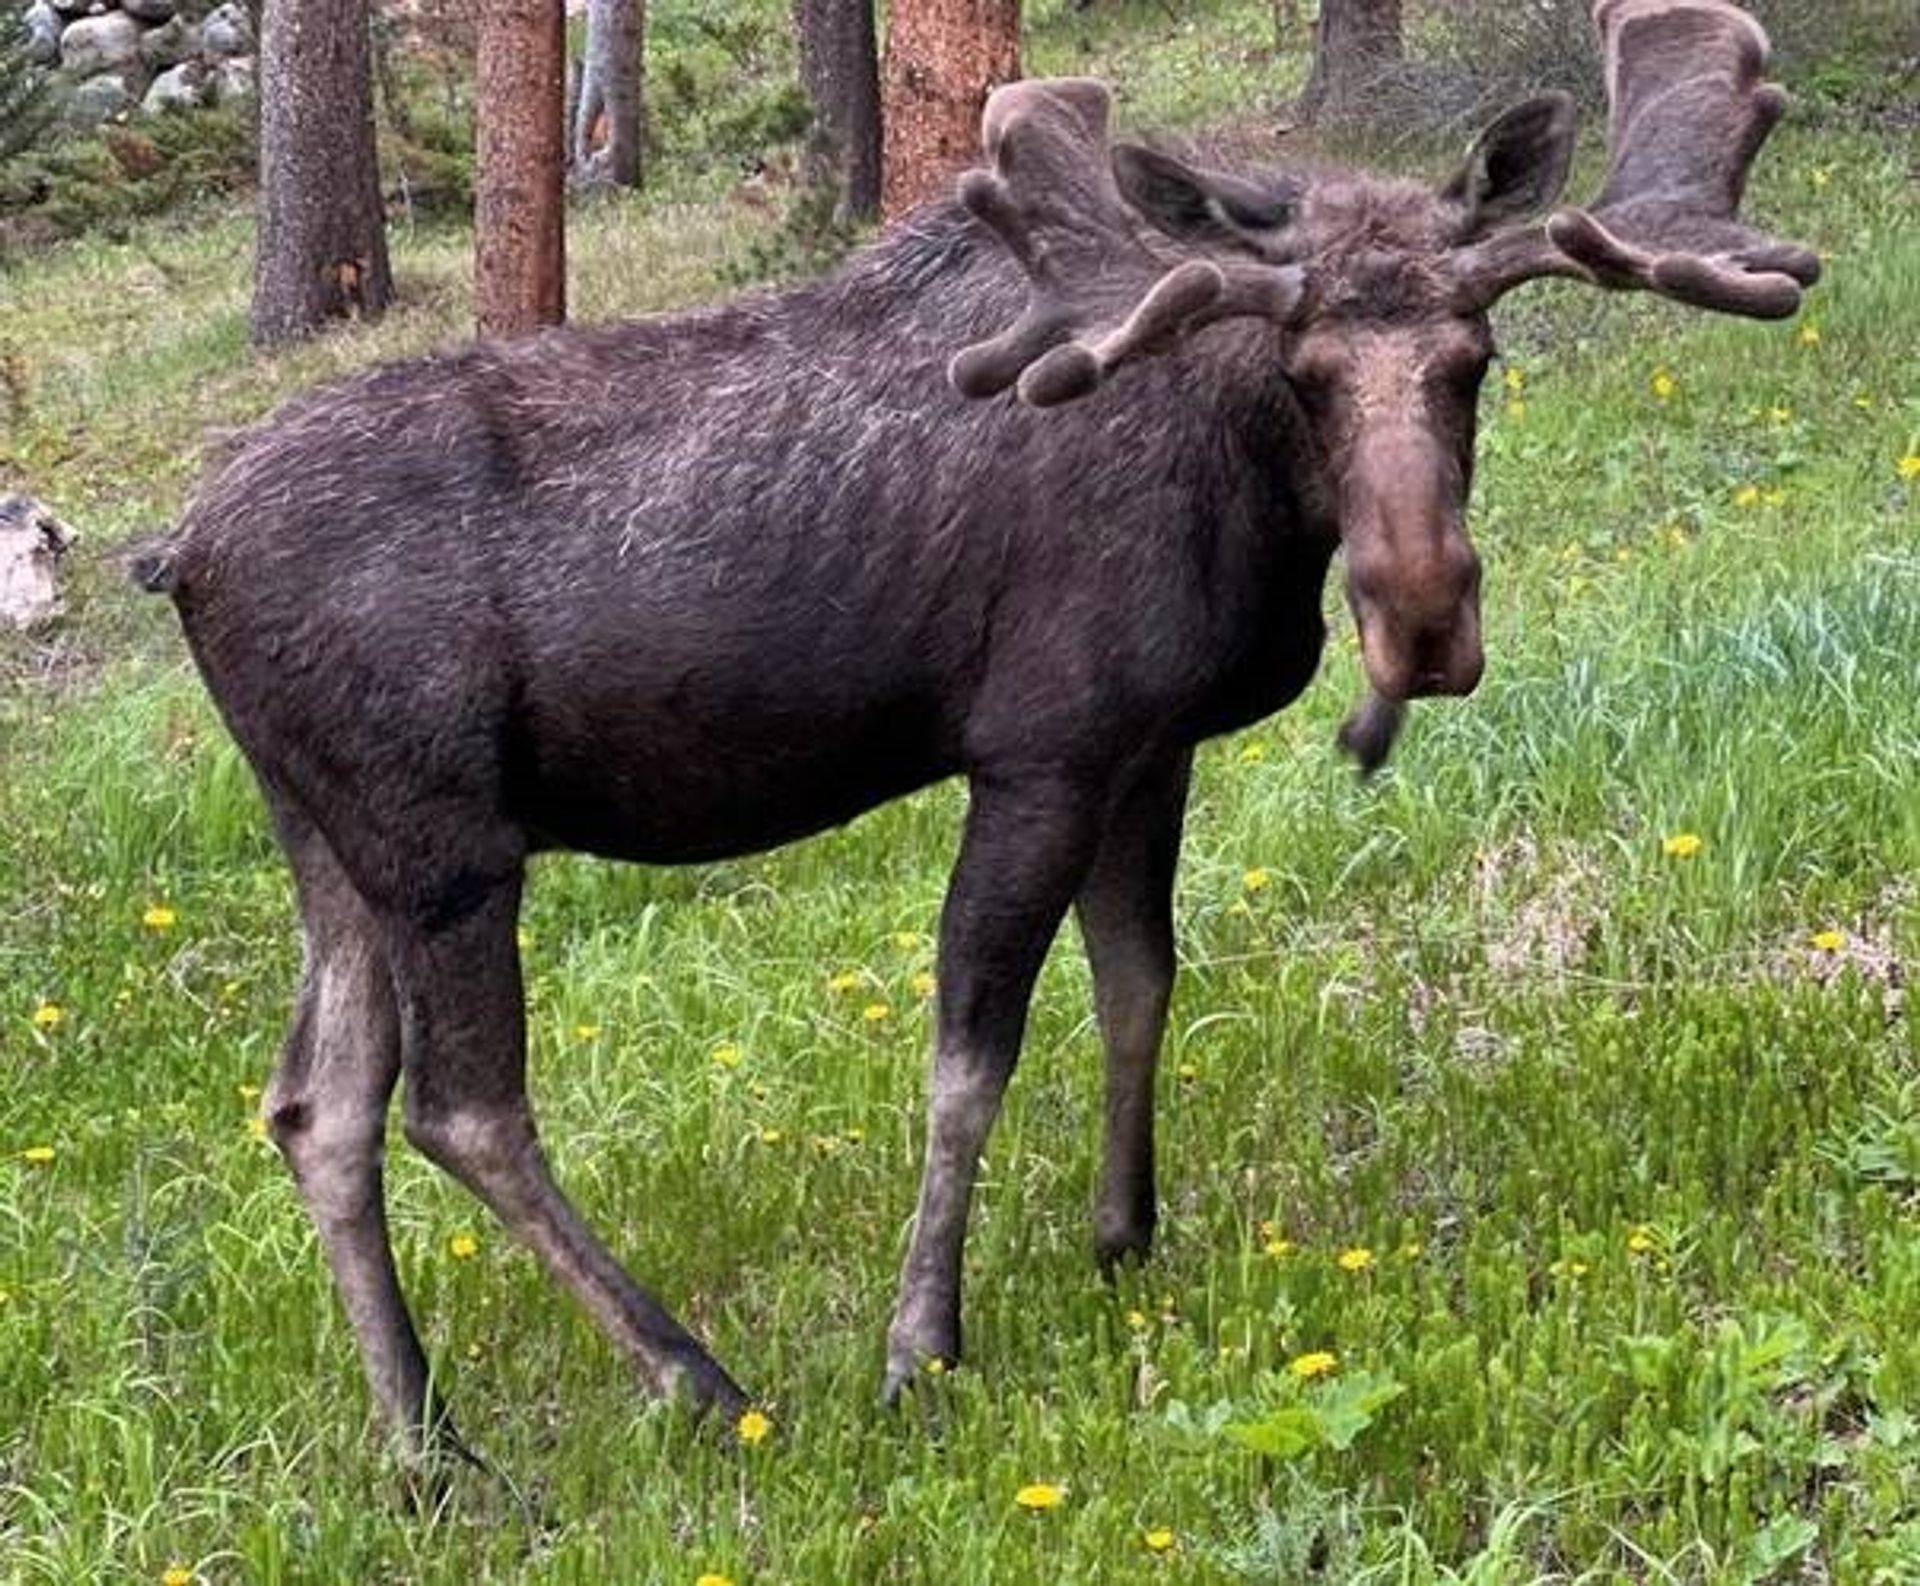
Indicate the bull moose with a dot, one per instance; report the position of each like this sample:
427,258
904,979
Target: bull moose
693,586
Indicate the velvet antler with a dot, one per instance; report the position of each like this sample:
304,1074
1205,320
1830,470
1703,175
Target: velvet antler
1688,113
1101,297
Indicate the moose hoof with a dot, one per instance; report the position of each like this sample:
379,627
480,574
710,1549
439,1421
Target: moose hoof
699,1382
916,1354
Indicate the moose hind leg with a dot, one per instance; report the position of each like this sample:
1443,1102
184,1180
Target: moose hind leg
326,1109
1125,911
463,1022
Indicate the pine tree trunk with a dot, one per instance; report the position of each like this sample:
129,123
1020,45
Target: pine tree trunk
840,69
1355,40
609,120
519,204
943,58
322,238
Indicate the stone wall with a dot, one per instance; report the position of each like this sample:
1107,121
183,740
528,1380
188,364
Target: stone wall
122,57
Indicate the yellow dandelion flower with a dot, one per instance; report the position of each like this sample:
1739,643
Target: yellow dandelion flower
38,1154
1357,1259
1578,585
248,1093
1411,1250
1747,496
463,1247
1137,1321
1258,879
876,1013
1682,845
1909,466
843,982
711,1578
1158,1540
1773,498
923,985
853,1134
727,1055
1516,409
1278,1249
48,1016
1677,537
1829,940
1515,378
475,1351
1641,1240
1809,335
1037,1495
753,1428
522,938
1253,753
176,1575
1315,1363
1624,554
906,941
1188,1072
1821,175
772,1136
159,917
256,1128
935,1366
586,1032
1780,414
1663,385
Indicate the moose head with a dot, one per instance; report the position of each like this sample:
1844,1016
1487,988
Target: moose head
1379,290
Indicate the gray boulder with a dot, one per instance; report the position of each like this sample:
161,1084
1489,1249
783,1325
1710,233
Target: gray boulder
32,542
149,10
182,87
42,23
70,8
100,44
96,100
169,44
233,80
227,31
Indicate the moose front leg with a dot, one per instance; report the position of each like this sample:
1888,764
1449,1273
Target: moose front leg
1125,911
1024,855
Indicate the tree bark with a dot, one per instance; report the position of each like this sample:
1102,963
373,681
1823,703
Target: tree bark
840,70
520,188
943,58
1355,39
609,119
321,247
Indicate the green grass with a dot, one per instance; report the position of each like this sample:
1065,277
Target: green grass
1636,1162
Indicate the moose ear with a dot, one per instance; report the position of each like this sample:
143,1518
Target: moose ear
1200,206
1516,168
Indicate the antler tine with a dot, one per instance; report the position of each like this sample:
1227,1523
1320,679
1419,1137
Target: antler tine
1100,297
1688,112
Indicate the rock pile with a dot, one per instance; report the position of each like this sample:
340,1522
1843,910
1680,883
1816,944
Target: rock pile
122,55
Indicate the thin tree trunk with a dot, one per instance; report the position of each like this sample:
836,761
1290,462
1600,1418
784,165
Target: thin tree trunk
840,69
609,119
943,58
322,238
1355,39
520,257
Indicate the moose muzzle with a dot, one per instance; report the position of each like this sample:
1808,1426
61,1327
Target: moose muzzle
1412,576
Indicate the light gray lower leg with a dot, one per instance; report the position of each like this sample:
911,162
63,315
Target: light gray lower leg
326,1109
1025,852
1125,911
464,1038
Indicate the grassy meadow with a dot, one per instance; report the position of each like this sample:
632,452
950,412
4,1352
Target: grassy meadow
1541,1123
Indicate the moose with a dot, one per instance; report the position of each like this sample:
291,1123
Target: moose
693,586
